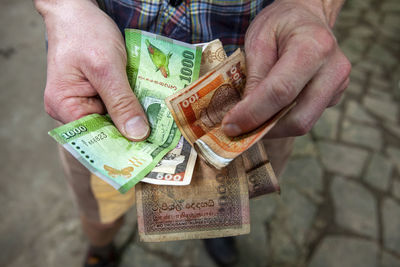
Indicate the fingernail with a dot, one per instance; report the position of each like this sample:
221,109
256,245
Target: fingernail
231,129
136,128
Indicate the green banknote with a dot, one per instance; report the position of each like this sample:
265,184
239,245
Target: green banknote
157,67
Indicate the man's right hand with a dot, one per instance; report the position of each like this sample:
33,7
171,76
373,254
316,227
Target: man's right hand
86,67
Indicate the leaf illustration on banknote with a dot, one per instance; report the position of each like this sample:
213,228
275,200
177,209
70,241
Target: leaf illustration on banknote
96,142
215,204
199,109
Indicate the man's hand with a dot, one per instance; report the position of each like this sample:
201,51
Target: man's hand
291,54
86,67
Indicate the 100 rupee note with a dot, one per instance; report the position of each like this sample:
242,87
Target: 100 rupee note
199,109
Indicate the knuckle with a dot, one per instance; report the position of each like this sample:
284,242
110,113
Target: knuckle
282,92
121,104
302,125
345,67
252,119
74,108
323,41
48,103
98,62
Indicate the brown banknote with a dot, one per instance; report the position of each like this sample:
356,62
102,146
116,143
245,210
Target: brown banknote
215,204
213,54
199,109
260,176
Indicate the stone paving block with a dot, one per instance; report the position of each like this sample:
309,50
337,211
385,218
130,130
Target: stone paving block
356,112
385,109
361,32
382,56
390,34
368,65
327,125
357,4
290,227
388,260
377,93
348,17
355,88
393,129
379,172
392,22
199,256
253,247
396,189
263,207
380,83
298,214
342,159
390,6
361,135
283,250
304,146
353,48
357,75
137,256
355,207
372,17
394,154
175,248
304,175
345,252
391,224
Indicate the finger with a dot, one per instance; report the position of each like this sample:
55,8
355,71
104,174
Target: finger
259,46
327,85
67,101
124,108
299,62
336,99
75,108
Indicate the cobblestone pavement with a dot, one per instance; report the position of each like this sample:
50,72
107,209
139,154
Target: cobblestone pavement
340,201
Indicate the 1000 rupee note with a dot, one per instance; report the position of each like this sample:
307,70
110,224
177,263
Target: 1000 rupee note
215,204
157,67
176,167
199,109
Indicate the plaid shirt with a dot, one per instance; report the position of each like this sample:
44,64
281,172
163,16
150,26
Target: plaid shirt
194,21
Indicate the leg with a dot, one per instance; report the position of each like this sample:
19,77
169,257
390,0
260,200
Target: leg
100,234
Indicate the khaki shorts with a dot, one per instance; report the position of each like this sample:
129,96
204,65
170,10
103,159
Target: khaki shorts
100,202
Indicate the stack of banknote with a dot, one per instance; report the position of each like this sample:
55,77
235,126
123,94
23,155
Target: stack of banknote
180,195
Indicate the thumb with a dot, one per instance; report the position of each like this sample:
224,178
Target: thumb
124,108
260,58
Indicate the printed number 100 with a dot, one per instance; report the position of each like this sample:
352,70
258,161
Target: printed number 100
187,65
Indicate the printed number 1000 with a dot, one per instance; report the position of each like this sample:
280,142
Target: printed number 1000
187,65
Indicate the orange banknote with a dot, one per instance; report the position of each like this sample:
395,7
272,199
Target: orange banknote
199,109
